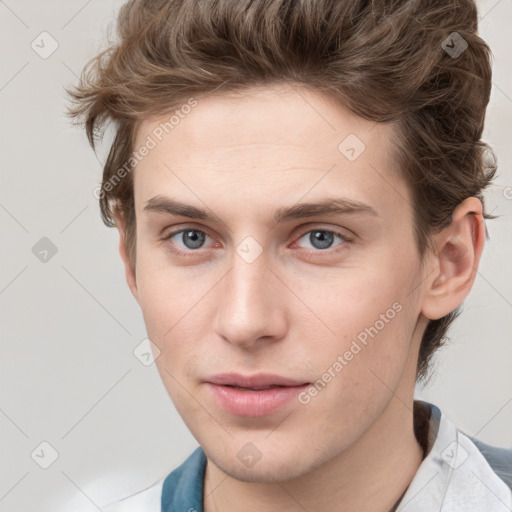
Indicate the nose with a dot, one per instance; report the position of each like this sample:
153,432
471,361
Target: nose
252,304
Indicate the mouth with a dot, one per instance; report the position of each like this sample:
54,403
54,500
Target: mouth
258,381
253,396
254,388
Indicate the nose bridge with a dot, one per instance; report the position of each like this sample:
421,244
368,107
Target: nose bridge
249,308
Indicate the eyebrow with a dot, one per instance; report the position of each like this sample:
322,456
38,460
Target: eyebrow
341,205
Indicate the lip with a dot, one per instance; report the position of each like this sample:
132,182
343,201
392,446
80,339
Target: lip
252,381
251,402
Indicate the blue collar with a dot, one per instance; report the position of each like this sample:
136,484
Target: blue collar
182,490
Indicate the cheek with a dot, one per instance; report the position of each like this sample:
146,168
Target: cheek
371,343
349,300
371,317
357,371
177,309
168,295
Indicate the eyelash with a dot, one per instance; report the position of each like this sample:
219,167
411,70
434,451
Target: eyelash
191,252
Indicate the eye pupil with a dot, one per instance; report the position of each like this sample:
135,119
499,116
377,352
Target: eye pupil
324,238
196,237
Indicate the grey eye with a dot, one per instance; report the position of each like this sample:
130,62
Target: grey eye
192,238
321,238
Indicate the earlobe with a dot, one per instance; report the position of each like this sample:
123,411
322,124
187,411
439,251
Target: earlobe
459,247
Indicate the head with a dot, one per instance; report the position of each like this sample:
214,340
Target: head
247,111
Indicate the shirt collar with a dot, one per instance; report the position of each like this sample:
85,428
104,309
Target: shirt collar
454,476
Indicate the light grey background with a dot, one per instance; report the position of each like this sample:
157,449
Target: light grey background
69,326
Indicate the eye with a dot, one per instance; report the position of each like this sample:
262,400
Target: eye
321,239
191,239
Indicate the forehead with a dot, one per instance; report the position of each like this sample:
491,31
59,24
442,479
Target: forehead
278,141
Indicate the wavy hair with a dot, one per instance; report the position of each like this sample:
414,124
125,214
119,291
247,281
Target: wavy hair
384,60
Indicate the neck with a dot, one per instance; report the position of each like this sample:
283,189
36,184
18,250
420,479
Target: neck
371,475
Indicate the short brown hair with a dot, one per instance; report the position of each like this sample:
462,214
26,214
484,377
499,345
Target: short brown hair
384,60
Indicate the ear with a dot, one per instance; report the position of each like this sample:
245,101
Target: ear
128,268
455,259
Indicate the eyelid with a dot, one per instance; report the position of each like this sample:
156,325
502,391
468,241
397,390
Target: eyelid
186,227
343,232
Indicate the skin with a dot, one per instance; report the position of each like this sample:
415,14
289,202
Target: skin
296,307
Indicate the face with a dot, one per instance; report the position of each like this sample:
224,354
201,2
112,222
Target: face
265,289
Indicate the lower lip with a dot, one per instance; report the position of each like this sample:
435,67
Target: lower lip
254,403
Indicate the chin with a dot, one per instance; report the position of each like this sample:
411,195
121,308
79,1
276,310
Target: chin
262,472
274,464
